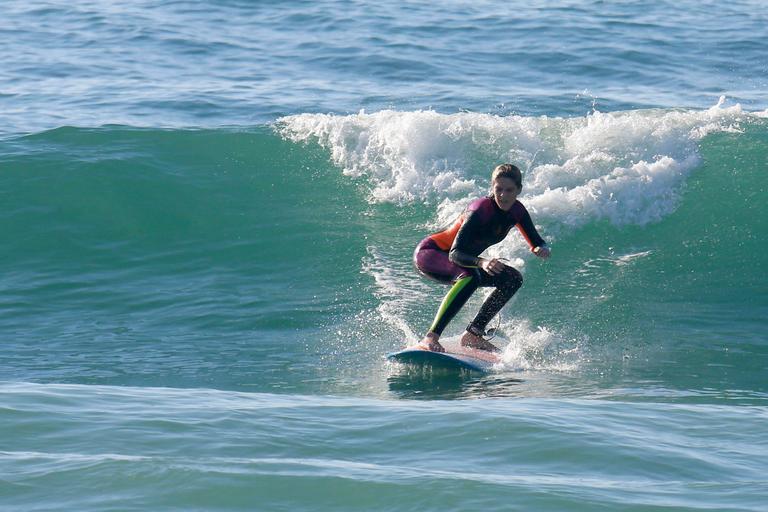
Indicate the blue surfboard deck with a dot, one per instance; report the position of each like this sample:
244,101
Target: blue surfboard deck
468,359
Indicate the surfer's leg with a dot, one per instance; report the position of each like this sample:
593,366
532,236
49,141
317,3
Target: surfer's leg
453,301
433,262
506,283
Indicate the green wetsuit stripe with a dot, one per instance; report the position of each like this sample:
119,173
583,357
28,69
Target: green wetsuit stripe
449,298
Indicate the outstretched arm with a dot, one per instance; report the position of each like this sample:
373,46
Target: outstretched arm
528,230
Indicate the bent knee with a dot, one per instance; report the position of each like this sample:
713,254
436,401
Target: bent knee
512,278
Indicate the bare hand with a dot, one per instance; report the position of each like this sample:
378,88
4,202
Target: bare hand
542,252
492,266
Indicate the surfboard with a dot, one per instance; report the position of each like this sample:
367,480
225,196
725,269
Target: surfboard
462,358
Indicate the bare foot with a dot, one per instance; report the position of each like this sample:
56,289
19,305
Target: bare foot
474,341
430,343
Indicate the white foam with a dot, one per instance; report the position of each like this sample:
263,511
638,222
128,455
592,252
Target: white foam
411,156
637,194
627,259
626,167
531,348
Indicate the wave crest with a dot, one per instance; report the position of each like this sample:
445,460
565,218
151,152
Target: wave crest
626,167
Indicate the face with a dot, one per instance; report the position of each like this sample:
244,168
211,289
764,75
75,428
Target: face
505,192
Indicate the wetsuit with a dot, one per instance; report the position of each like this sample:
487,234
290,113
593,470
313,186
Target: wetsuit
452,257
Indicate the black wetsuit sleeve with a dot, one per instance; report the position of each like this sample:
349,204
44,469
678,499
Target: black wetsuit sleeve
461,250
525,224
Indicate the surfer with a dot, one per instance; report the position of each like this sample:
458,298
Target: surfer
452,257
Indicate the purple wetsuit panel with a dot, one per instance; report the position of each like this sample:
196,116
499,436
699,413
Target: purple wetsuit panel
433,262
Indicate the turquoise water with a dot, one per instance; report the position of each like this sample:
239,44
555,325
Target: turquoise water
209,210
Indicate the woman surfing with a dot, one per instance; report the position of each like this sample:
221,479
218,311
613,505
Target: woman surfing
453,257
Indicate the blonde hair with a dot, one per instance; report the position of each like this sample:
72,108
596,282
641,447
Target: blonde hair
508,171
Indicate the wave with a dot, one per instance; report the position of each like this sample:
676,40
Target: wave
308,225
627,169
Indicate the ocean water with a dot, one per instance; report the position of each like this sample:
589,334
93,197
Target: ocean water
208,213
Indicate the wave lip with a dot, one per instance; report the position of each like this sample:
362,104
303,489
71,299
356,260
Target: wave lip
626,167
